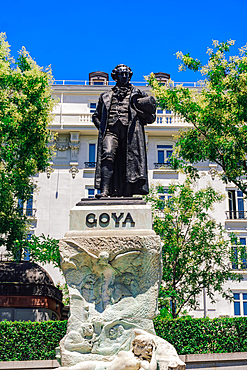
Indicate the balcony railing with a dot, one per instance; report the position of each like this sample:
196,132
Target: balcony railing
162,165
86,118
112,83
30,212
236,215
90,164
239,267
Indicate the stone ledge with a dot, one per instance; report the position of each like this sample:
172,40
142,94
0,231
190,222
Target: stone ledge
236,361
36,364
108,201
208,357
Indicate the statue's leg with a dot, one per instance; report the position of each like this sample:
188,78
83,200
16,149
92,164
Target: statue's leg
126,187
109,148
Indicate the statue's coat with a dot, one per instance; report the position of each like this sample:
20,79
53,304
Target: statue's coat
136,158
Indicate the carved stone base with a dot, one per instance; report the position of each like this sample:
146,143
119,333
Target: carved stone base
109,279
113,283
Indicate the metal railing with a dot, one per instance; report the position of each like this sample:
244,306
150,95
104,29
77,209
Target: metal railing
90,164
239,266
236,215
30,212
112,83
162,165
88,83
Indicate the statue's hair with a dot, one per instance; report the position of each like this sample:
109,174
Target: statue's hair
143,340
114,71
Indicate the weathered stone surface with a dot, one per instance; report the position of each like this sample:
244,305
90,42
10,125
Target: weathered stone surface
113,283
142,351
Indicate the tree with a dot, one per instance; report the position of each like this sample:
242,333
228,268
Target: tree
25,112
39,248
196,253
217,111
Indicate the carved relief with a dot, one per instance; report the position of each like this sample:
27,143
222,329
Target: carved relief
62,146
49,171
74,146
73,170
64,143
113,286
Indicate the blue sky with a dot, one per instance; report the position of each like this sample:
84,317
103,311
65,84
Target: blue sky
78,37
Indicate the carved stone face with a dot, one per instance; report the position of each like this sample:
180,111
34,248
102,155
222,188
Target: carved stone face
87,330
142,349
113,332
116,331
122,76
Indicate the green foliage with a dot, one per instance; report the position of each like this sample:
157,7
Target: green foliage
196,253
41,249
217,112
190,336
25,112
65,290
23,341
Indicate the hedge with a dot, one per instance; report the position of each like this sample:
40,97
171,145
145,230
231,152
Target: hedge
219,335
21,341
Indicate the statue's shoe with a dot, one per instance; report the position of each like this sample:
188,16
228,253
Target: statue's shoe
101,195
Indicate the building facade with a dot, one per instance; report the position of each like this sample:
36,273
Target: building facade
70,175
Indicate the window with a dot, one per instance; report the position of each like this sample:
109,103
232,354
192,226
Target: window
91,192
168,119
26,251
93,106
98,83
236,205
239,262
27,207
163,193
240,304
159,110
168,111
20,205
91,156
164,152
92,152
159,119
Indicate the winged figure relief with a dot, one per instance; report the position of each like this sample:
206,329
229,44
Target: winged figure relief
102,280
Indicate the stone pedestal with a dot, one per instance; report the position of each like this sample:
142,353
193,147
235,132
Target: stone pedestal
111,259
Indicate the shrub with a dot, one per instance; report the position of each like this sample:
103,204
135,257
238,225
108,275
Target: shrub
204,335
22,341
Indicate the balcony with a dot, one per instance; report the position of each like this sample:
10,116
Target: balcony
236,215
112,83
90,164
30,212
162,166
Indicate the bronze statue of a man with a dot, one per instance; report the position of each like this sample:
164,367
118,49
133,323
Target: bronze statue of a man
120,116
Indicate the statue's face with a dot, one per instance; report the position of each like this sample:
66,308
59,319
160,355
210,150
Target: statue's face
122,76
113,332
142,349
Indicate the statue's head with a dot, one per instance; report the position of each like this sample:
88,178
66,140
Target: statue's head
143,347
116,331
103,258
122,74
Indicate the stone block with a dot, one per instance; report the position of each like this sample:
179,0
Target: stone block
112,263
